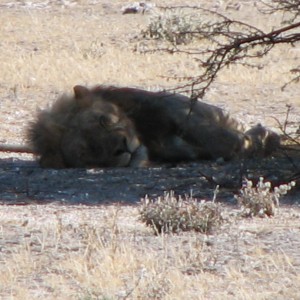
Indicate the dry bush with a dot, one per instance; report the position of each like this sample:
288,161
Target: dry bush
174,214
176,27
261,200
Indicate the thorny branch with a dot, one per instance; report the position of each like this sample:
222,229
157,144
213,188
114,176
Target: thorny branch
295,142
231,42
283,127
290,7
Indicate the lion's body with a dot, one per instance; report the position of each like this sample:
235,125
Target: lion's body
109,127
173,127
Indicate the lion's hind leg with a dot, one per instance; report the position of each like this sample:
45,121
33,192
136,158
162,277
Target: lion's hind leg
214,141
261,141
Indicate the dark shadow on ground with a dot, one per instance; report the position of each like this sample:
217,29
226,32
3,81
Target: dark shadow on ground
24,182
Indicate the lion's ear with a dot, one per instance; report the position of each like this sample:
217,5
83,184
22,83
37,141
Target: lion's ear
83,96
80,91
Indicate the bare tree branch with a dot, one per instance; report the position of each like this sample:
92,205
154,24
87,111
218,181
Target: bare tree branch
231,42
291,7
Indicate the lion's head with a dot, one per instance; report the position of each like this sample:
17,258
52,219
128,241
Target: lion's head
92,133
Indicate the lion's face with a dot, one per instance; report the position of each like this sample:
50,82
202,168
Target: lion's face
99,136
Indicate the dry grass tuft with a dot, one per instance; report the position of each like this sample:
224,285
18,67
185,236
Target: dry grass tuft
261,200
172,26
174,214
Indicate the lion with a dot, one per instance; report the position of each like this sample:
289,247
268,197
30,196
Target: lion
129,127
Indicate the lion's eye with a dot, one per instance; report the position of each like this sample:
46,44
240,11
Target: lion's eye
105,122
109,122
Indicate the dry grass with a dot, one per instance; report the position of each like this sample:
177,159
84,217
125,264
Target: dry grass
78,252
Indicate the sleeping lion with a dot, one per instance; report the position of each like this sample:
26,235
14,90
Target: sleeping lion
128,127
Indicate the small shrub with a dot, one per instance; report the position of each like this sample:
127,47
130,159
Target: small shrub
174,27
174,214
261,200
94,51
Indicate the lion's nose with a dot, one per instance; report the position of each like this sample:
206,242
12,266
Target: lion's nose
121,148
